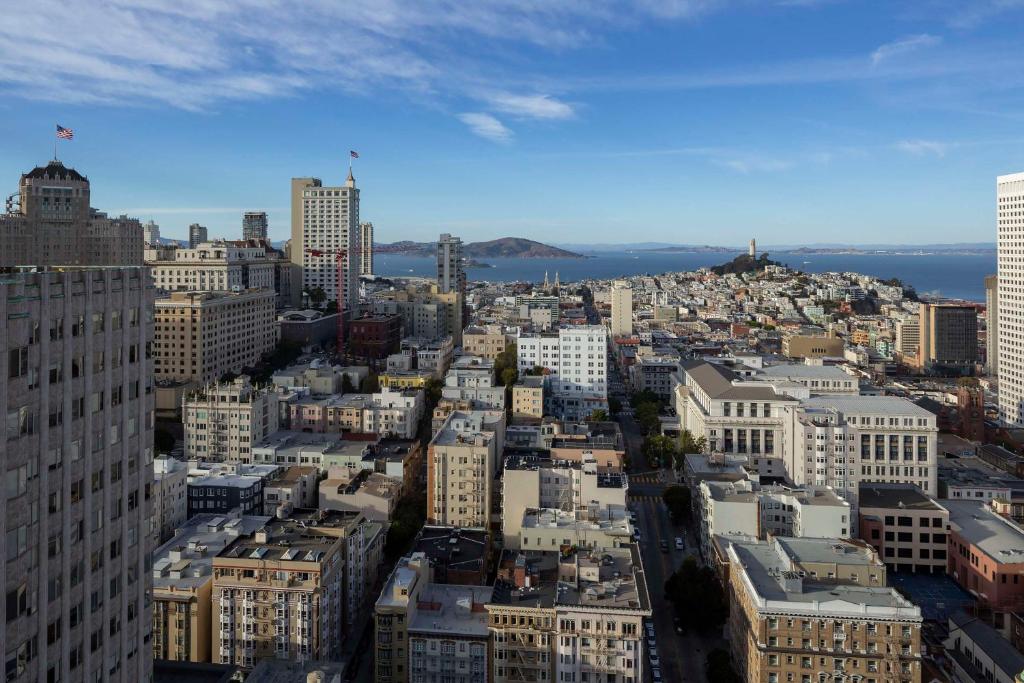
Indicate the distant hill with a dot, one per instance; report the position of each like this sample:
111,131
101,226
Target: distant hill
506,247
744,263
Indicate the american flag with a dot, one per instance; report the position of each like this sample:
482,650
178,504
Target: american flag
65,133
354,154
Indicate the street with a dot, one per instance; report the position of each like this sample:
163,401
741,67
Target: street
681,656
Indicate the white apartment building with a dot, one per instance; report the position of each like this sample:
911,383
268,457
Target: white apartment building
199,336
170,497
223,421
461,464
471,378
841,441
622,309
393,413
210,266
742,508
576,361
1010,283
78,465
532,483
451,273
325,222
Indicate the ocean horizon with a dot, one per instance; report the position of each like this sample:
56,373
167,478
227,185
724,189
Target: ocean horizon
942,275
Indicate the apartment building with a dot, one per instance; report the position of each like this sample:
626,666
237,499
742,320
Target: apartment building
254,225
428,631
530,482
220,491
654,374
325,223
197,234
372,493
295,487
744,509
200,336
569,616
389,413
211,266
576,362
812,346
294,589
366,249
52,223
485,342
374,337
788,625
908,338
223,420
426,311
528,399
906,527
843,441
170,498
471,378
183,584
622,309
78,461
461,465
949,337
992,325
736,416
451,271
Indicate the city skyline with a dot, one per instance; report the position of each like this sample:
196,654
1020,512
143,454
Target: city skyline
823,121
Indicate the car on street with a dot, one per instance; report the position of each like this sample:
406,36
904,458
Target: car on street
636,535
679,543
656,674
664,546
653,652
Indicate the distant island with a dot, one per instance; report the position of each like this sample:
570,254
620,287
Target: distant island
505,247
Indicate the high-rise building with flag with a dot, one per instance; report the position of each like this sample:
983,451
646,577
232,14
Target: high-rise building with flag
325,221
50,222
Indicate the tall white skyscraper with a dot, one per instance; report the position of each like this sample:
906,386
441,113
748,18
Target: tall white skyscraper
366,249
1010,283
622,309
326,220
451,275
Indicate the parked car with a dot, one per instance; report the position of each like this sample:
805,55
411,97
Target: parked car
664,546
656,674
679,543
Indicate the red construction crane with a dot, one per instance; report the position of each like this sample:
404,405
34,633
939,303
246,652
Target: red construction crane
339,260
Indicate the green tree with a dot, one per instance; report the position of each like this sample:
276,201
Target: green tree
614,405
432,393
317,296
346,384
690,444
163,441
718,667
598,415
679,501
659,450
370,384
697,596
509,376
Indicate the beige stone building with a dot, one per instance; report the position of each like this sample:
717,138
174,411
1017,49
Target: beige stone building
949,337
294,589
223,421
487,342
213,266
200,336
807,346
790,622
53,224
372,493
183,581
461,464
621,323
528,398
78,466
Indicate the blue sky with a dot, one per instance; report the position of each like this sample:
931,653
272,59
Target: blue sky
691,121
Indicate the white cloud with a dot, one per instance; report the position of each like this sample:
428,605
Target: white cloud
531,106
923,147
486,126
747,165
903,46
